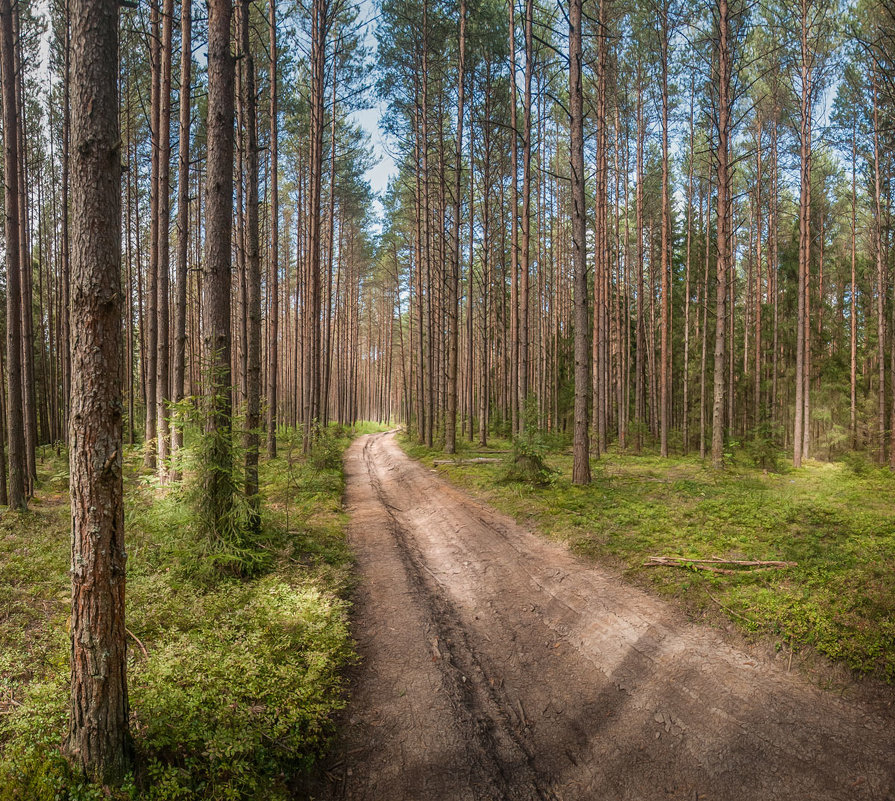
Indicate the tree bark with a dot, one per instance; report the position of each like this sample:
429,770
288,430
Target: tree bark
253,272
664,377
162,392
15,420
217,268
183,219
98,742
580,449
274,279
450,424
151,444
723,235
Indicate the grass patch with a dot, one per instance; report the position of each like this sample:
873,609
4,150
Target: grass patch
838,523
236,696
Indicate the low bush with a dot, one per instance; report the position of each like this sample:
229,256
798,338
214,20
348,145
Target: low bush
235,695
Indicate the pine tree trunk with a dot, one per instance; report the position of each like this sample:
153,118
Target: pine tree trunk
722,230
183,220
27,269
580,448
217,267
880,280
853,291
15,419
800,425
453,302
151,317
162,392
253,272
318,65
664,377
274,279
98,741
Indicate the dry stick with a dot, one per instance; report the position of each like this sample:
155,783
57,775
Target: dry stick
680,561
137,640
477,460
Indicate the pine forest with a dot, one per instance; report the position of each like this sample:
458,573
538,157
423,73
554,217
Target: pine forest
623,270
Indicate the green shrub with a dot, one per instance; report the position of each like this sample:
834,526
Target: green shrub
326,452
763,448
858,463
243,675
529,450
228,708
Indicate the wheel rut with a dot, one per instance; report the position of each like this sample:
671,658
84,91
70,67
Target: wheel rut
496,665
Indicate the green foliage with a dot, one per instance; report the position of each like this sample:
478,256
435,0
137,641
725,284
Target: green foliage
763,446
269,682
236,696
530,448
858,463
326,451
225,525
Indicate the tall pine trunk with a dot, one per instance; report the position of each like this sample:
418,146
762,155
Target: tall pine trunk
218,487
15,419
253,271
183,220
723,234
273,345
580,449
450,425
98,741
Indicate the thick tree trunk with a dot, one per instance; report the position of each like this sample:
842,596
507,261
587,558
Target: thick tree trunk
723,235
513,334
687,266
66,241
150,444
29,404
800,424
318,66
853,292
217,268
525,223
98,741
162,392
880,280
664,377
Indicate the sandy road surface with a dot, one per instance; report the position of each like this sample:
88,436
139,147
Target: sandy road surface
496,665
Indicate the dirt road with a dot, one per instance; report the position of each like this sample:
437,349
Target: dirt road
496,665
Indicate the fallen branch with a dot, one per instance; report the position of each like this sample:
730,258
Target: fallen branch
139,642
477,460
711,565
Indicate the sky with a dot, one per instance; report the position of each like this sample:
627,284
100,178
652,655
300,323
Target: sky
385,167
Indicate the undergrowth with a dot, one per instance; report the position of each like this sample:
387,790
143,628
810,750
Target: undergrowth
835,520
233,681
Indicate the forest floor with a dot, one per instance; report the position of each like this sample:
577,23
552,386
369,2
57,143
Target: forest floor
496,664
233,681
